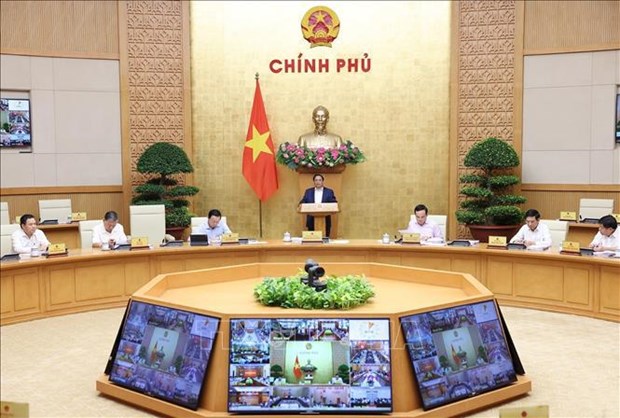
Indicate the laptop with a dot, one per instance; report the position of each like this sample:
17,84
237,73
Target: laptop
197,240
9,257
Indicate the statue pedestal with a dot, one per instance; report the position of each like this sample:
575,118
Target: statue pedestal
333,180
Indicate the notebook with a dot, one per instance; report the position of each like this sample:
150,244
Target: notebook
198,240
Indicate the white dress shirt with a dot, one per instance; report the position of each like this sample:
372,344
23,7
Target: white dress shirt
318,195
214,233
612,241
428,230
540,236
100,235
22,244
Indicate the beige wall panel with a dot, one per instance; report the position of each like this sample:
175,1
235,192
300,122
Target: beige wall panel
499,277
99,281
61,286
137,274
539,281
26,287
562,26
397,113
610,291
578,286
60,28
95,204
6,293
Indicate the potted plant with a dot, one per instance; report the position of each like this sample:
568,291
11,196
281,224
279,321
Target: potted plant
490,208
301,158
166,161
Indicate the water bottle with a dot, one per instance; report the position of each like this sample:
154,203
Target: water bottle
386,238
287,237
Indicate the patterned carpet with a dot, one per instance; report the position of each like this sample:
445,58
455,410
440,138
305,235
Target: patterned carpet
574,363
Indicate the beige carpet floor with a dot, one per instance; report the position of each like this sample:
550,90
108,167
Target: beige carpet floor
574,363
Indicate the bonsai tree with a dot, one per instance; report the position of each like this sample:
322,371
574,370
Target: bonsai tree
166,160
276,371
487,188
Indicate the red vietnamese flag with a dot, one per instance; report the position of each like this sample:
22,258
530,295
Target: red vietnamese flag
259,161
297,368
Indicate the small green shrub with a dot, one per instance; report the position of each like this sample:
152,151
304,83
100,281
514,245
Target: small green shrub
343,292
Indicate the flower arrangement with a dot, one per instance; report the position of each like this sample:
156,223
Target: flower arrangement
294,156
343,292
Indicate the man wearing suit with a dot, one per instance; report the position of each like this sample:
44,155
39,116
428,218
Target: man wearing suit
318,194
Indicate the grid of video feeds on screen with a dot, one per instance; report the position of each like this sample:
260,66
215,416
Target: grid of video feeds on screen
310,365
458,352
164,352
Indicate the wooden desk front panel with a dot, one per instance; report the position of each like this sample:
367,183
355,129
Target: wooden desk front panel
542,283
92,279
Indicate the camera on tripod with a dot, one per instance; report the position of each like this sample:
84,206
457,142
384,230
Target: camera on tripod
315,272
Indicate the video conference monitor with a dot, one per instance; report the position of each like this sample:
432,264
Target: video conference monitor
163,352
458,352
15,124
310,366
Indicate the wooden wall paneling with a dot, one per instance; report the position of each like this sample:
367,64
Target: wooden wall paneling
571,26
95,201
155,82
487,70
551,200
74,29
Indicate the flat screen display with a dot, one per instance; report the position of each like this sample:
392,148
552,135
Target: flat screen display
318,365
15,123
458,352
164,352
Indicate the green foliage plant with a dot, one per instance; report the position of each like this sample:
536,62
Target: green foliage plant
488,187
343,292
166,161
343,373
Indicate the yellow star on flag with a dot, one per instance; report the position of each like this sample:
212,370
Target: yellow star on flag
258,143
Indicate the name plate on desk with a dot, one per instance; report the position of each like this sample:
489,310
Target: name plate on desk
318,207
570,247
617,216
78,216
139,242
58,249
231,238
568,216
411,238
495,241
312,236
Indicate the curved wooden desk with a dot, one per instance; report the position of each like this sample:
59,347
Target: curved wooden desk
93,279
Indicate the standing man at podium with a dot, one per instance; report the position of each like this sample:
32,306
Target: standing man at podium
318,194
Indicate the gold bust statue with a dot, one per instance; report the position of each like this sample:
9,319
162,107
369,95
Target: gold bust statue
319,137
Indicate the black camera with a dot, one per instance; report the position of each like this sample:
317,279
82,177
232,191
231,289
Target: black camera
315,272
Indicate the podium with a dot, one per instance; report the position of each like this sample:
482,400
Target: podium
319,211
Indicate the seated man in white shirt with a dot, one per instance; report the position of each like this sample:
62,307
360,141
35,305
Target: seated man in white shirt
607,238
214,227
27,238
533,232
109,232
420,225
